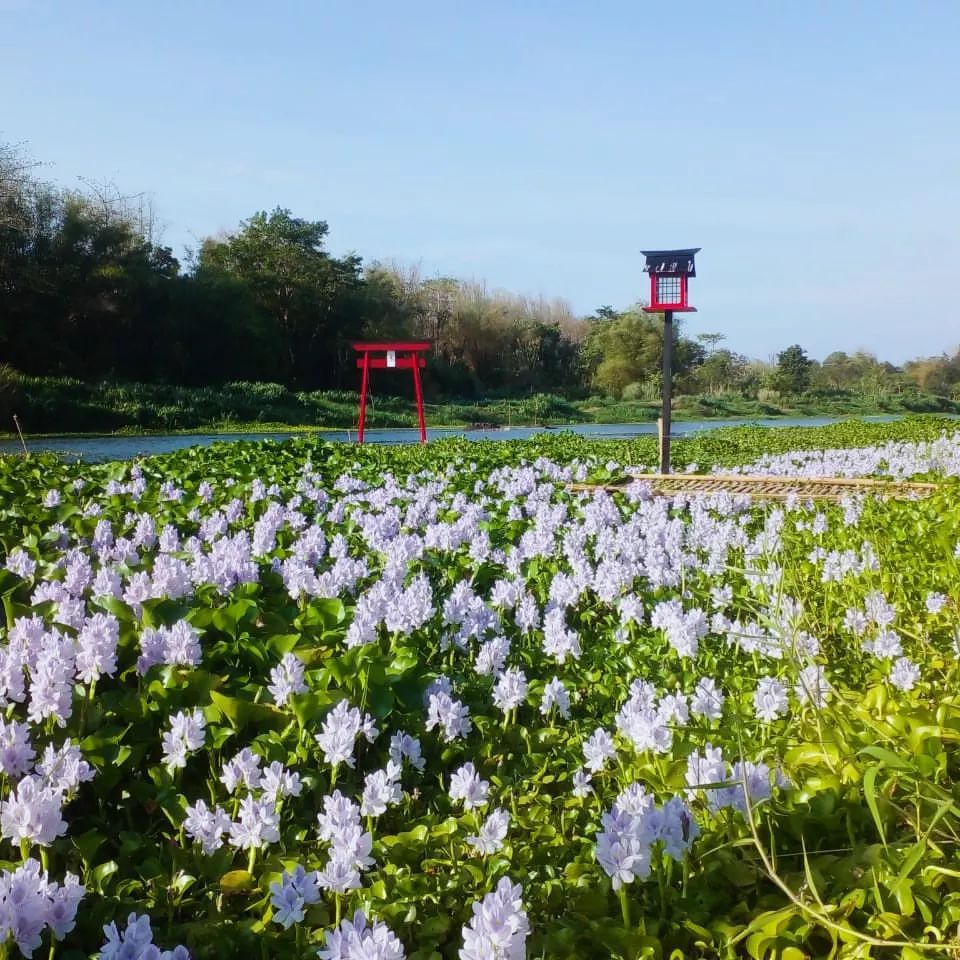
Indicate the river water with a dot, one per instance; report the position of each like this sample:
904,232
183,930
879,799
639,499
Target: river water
97,449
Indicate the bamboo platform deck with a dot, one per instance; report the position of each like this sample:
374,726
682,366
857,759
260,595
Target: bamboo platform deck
831,489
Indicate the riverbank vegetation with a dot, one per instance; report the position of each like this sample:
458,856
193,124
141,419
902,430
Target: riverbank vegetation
62,405
103,328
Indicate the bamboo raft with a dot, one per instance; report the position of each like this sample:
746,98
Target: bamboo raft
830,489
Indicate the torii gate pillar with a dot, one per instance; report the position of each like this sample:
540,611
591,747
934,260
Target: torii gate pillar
400,355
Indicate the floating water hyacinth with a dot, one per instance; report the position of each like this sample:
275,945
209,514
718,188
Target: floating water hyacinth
492,834
357,938
499,927
287,679
340,731
185,736
468,788
136,943
206,826
598,749
292,894
31,904
555,697
198,656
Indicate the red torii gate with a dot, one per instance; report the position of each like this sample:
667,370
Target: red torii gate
398,354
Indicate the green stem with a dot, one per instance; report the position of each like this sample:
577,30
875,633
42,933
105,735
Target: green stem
336,901
252,860
624,906
24,849
662,884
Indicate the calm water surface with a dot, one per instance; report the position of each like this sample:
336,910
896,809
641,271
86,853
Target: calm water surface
96,449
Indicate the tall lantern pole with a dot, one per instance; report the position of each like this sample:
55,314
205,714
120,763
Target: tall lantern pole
669,272
666,392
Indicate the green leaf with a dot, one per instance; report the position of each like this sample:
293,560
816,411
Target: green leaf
102,874
870,795
236,882
88,843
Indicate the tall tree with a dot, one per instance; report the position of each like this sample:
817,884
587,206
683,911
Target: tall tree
310,297
793,370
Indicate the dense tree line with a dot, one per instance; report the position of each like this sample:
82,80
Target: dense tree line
87,290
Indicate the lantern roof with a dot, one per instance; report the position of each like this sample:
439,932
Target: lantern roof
671,261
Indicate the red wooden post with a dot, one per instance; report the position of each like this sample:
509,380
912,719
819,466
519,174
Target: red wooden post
363,394
418,392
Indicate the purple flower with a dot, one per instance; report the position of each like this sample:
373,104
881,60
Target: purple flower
452,716
467,787
510,690
21,563
354,939
339,733
555,695
186,735
707,699
559,641
492,834
287,679
16,753
339,812
32,812
904,674
492,656
277,782
207,826
499,926
404,747
51,679
381,790
935,602
258,824
243,770
770,699
136,943
294,891
64,769
581,783
598,749
97,647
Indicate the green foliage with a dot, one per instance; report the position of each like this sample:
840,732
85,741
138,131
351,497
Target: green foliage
793,370
307,295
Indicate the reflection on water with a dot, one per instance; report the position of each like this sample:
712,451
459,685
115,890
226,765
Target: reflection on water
96,449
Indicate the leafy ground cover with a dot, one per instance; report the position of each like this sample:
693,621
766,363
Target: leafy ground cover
304,699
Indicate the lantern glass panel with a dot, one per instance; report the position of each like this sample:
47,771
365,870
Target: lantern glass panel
668,289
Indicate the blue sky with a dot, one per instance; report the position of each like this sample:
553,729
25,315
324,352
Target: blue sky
812,150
